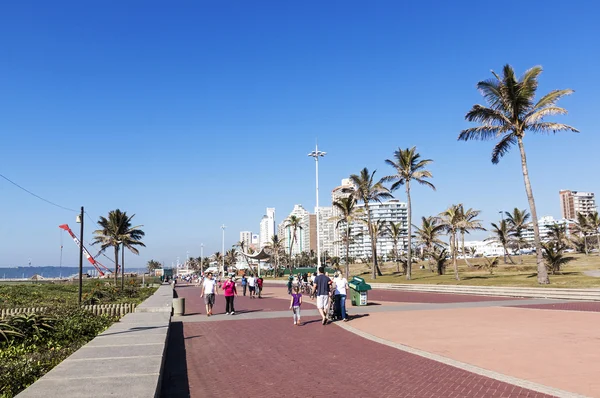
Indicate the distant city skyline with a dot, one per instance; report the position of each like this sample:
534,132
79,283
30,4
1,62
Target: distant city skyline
201,115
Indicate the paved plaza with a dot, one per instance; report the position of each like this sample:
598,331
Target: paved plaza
404,344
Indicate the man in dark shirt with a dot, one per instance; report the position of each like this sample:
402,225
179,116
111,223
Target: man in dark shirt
321,290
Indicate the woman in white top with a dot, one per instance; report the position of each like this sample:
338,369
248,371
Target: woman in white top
341,287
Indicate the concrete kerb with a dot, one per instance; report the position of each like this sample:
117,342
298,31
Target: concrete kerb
127,359
465,366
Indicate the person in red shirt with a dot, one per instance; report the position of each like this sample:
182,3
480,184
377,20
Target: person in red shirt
229,291
259,285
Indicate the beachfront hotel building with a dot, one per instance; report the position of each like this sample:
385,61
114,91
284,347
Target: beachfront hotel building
267,227
306,239
573,202
391,211
326,230
544,224
344,190
246,237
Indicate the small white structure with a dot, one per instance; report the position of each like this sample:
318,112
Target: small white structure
485,248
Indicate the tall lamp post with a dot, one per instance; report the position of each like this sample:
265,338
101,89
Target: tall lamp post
80,220
223,250
317,154
502,216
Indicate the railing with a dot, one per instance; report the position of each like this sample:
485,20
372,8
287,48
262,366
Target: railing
99,309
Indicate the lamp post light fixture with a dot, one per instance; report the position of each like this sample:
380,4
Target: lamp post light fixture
79,219
317,154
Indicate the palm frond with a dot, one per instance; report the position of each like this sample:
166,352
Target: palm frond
548,127
502,147
481,133
550,99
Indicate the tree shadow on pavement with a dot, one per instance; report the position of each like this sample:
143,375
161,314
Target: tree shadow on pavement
175,381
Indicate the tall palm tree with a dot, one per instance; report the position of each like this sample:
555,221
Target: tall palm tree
451,219
517,221
117,230
218,258
583,229
409,167
428,235
367,190
275,246
511,112
501,234
593,222
231,257
379,229
295,223
468,223
396,232
348,212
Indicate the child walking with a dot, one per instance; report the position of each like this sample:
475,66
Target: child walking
295,304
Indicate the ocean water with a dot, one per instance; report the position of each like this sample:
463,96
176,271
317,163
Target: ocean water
52,271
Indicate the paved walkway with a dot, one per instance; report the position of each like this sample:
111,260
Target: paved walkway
411,345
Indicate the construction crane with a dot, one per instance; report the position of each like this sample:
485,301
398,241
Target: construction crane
99,267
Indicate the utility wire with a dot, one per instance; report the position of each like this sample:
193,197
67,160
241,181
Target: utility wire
37,196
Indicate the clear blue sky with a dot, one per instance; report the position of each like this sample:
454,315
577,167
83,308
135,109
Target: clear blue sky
192,114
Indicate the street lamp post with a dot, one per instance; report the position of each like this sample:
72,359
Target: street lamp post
501,226
223,250
80,220
317,154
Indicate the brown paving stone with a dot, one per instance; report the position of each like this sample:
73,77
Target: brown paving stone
433,298
572,306
273,358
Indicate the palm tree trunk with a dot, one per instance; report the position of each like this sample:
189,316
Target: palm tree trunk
408,251
396,256
123,268
519,249
462,234
585,248
542,276
373,249
453,250
347,249
116,264
598,241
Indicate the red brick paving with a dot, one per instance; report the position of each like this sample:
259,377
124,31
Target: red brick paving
434,298
572,306
273,358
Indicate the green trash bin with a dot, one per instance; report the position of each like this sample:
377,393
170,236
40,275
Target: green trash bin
358,291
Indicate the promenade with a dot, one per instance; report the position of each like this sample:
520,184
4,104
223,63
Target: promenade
405,344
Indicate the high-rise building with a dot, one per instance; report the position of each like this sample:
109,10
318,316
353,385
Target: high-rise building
343,191
545,224
390,211
326,230
246,237
302,240
573,202
267,227
255,241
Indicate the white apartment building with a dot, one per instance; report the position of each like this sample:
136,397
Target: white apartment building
343,191
484,248
326,230
302,241
267,227
544,225
246,237
390,211
573,202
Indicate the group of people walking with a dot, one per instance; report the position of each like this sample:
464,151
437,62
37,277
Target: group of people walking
210,289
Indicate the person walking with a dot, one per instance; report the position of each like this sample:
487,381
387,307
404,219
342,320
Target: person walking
252,285
209,291
259,286
244,284
295,304
229,291
289,284
341,287
321,289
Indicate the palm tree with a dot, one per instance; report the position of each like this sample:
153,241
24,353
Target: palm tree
428,234
396,232
439,257
581,227
117,230
511,112
468,223
276,247
501,234
218,258
555,257
557,235
409,166
517,221
593,222
205,263
379,229
491,263
230,257
348,212
367,190
451,219
294,222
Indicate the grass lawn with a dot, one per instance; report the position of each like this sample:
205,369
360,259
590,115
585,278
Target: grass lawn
524,275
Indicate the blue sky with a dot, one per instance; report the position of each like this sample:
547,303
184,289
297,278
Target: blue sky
194,114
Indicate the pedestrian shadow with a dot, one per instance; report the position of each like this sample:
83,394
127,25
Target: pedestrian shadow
247,311
357,316
174,380
312,321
